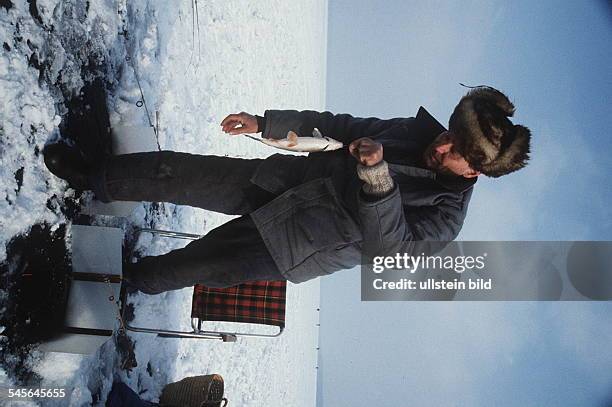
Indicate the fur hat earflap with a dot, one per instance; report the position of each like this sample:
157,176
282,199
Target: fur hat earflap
485,136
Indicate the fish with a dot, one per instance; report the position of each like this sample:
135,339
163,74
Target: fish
317,143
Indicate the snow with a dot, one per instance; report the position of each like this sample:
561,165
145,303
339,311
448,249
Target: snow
242,56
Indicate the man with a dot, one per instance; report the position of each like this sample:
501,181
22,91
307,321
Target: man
401,181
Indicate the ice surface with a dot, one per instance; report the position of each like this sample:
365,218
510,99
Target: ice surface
245,56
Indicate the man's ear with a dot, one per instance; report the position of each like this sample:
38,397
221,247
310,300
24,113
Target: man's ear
444,148
471,174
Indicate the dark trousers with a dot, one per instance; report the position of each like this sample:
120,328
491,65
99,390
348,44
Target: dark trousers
228,255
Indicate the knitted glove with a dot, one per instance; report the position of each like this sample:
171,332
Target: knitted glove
377,180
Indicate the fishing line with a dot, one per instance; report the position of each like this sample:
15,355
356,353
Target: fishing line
253,137
142,102
195,21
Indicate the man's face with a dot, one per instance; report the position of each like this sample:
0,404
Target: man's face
441,158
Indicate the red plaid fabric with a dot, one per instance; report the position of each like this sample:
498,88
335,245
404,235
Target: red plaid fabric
257,302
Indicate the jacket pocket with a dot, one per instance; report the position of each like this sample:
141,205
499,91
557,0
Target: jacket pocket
326,262
303,221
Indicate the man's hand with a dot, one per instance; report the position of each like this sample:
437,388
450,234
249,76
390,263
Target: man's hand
239,123
367,151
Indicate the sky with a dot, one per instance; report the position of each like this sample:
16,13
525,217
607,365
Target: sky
553,59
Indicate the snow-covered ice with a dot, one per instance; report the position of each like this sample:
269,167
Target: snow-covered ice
240,56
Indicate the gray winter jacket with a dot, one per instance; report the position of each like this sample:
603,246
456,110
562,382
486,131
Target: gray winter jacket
322,221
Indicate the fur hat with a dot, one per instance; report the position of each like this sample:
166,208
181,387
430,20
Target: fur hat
486,138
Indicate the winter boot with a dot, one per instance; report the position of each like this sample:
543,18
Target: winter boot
69,164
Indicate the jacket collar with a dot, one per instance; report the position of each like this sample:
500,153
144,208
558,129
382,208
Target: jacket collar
428,128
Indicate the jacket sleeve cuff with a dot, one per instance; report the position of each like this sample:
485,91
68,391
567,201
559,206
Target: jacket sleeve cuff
377,180
261,123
